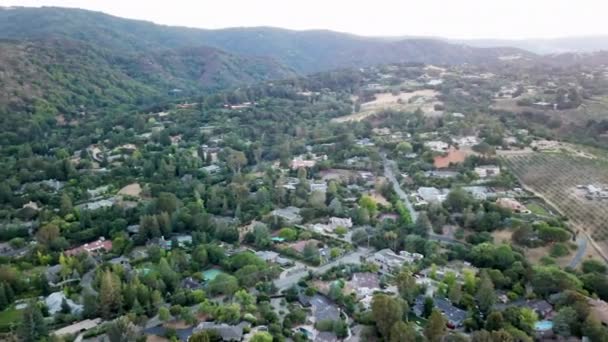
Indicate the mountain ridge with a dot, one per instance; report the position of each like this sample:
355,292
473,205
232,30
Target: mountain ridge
304,51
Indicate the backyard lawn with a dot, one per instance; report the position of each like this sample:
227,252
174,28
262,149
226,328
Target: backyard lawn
9,317
537,209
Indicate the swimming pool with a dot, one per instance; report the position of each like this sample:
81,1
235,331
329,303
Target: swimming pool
543,325
210,274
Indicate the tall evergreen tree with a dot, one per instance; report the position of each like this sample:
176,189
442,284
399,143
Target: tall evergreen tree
32,328
435,327
110,298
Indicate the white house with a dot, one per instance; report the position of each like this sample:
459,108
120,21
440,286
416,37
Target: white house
486,171
388,261
437,146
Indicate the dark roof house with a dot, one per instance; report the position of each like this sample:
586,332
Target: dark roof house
455,316
190,283
226,332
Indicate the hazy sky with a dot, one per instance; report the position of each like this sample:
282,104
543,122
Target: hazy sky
446,18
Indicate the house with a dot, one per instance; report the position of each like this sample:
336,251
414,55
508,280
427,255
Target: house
190,283
480,193
122,261
367,176
381,131
54,302
303,162
486,171
545,145
291,183
304,300
323,309
225,331
321,187
183,240
542,105
211,169
330,227
133,229
441,174
364,284
299,163
31,205
53,274
388,216
454,316
432,195
78,327
594,191
365,142
100,246
291,215
95,205
388,261
437,146
512,204
467,141
268,256
540,306
93,193
162,243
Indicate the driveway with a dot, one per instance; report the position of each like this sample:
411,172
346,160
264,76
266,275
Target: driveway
87,281
580,252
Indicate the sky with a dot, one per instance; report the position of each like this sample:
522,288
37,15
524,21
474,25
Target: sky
465,19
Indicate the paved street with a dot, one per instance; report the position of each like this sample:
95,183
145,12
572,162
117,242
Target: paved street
389,167
289,280
389,173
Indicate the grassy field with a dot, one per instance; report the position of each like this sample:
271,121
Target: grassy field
8,318
406,101
555,177
537,209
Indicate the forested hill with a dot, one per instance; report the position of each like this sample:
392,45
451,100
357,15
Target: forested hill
304,51
50,76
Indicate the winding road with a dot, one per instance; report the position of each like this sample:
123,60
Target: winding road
389,173
289,280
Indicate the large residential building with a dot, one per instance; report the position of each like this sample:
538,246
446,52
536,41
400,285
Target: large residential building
389,261
99,246
486,171
512,204
290,214
432,195
437,146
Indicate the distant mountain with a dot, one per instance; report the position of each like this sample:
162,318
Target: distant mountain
545,46
317,50
303,51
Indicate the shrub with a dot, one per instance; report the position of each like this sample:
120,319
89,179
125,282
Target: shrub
559,250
